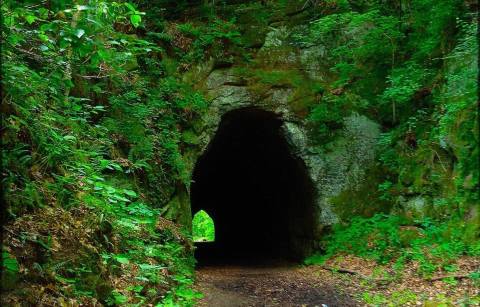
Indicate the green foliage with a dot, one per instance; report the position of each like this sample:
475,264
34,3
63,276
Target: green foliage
415,66
60,107
361,39
433,244
209,40
93,118
327,116
203,227
397,298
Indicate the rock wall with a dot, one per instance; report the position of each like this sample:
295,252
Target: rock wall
281,79
332,171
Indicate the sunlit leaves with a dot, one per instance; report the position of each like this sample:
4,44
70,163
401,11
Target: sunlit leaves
203,228
79,33
130,193
30,19
118,298
123,259
404,82
135,19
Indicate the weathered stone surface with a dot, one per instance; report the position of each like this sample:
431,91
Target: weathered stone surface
276,38
311,59
220,77
415,208
334,169
331,172
344,166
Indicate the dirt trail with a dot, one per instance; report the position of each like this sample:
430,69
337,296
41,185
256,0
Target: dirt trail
272,285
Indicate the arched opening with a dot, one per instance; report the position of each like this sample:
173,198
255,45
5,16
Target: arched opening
258,193
203,227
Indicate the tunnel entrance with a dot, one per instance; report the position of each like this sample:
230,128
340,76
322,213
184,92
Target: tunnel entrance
259,194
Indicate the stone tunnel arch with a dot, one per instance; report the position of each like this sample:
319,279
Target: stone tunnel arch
257,191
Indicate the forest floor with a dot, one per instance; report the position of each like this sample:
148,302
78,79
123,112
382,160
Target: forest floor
353,282
232,286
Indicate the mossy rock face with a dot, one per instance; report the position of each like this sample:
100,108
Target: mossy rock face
254,36
190,137
173,207
415,208
362,199
289,79
178,209
339,174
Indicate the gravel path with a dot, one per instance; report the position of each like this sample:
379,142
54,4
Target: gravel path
270,285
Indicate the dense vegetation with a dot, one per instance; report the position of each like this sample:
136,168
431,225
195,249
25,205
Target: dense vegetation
92,121
203,227
101,111
419,75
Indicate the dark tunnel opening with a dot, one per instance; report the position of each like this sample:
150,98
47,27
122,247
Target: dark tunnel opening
259,195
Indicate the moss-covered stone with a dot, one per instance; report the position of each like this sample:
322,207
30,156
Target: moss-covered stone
362,199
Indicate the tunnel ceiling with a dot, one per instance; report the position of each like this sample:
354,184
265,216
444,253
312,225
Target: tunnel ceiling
259,195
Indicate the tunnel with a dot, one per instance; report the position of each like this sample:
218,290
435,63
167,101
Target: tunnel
257,192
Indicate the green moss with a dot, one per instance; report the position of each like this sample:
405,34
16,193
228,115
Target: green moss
189,137
362,200
278,78
261,80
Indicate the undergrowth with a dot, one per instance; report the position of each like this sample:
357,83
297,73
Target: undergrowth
433,244
95,115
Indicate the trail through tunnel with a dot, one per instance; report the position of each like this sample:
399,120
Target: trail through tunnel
259,195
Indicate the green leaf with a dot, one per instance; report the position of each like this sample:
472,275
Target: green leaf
130,7
14,39
9,262
43,12
79,33
65,280
113,201
116,166
104,54
30,19
119,298
122,259
69,138
43,37
130,193
135,20
147,266
104,163
82,7
121,198
188,293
